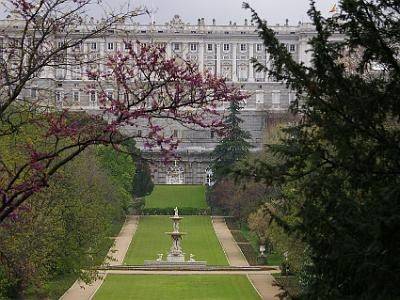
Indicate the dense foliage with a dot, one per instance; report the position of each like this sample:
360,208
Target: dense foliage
233,147
142,181
340,168
66,229
140,87
121,170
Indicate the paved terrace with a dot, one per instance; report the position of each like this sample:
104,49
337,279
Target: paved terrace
260,277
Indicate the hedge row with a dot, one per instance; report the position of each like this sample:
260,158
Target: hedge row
244,245
238,236
290,284
170,211
249,253
232,224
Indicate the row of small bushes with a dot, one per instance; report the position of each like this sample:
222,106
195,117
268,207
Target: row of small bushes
238,236
170,211
249,253
289,284
232,224
137,205
248,250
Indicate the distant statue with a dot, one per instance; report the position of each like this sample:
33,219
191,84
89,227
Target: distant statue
191,258
175,245
176,212
176,227
160,256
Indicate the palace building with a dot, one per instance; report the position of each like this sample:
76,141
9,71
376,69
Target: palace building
225,50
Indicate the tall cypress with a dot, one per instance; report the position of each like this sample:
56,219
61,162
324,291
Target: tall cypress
233,147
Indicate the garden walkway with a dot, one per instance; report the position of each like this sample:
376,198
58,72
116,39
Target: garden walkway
263,282
82,291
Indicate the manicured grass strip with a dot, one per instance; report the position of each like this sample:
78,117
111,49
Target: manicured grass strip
182,287
177,195
150,239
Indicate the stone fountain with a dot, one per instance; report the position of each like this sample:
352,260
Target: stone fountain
175,257
175,253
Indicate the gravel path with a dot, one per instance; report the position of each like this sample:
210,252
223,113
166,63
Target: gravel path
262,281
232,251
82,291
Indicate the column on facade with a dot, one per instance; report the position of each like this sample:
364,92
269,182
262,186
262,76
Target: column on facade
304,53
234,62
85,51
201,56
102,53
185,50
268,65
135,47
251,68
218,70
70,63
168,49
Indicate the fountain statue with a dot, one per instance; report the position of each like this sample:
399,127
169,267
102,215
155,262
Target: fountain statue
176,256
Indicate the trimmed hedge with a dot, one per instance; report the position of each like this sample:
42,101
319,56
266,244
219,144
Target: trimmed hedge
248,250
249,253
238,236
232,224
170,211
290,285
137,205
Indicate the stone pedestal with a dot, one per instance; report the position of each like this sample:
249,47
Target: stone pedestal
175,257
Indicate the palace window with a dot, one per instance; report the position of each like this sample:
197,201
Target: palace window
226,47
33,93
243,47
259,97
92,97
93,46
175,133
176,46
243,73
77,46
210,47
126,97
260,76
59,98
292,48
276,99
193,47
259,47
75,96
292,97
76,73
110,46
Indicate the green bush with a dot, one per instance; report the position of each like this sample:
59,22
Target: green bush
238,236
249,253
290,285
170,211
232,224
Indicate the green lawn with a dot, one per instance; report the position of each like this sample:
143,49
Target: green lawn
182,287
150,239
164,196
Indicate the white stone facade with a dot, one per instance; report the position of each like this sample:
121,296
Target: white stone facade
225,50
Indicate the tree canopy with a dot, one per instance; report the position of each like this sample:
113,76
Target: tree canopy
148,86
340,164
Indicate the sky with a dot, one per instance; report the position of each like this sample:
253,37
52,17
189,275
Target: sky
274,11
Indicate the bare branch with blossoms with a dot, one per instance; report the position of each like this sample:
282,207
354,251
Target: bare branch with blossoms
38,137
